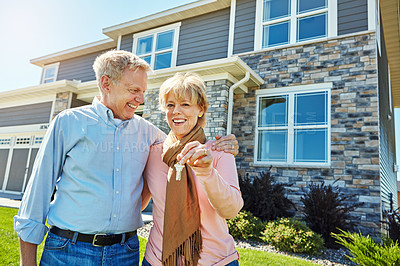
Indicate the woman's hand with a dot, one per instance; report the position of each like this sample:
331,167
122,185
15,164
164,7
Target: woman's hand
197,156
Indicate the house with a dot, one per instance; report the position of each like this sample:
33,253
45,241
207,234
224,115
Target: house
307,87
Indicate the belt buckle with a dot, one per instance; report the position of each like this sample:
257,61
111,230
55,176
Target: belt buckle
95,238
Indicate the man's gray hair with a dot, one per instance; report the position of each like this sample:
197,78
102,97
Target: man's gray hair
113,64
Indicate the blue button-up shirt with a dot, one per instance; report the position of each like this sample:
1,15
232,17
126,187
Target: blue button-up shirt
96,162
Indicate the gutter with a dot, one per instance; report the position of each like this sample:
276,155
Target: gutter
230,101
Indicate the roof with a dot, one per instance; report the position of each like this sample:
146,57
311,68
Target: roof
166,17
232,69
155,20
74,52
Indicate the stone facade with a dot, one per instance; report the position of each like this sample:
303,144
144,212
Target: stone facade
217,115
350,63
61,103
152,112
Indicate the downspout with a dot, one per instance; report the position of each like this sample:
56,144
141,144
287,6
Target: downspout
230,101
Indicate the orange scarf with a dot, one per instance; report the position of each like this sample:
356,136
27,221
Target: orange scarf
182,242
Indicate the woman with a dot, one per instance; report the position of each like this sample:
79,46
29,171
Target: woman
189,216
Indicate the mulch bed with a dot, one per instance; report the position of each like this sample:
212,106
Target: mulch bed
330,257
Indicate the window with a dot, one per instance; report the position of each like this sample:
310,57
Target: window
280,22
158,47
49,73
293,126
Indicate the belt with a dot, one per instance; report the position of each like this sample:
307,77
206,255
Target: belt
97,240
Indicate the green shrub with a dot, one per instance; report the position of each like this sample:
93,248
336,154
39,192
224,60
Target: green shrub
368,252
326,210
292,235
263,198
245,226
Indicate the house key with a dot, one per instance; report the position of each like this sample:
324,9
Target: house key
178,168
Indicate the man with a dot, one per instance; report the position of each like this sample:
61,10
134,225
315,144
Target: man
94,156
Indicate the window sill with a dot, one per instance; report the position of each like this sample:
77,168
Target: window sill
286,165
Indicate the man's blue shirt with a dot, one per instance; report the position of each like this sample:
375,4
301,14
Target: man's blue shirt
95,162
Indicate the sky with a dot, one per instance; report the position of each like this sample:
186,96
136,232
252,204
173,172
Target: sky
31,29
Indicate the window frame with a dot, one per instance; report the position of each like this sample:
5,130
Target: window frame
154,32
331,11
291,91
45,68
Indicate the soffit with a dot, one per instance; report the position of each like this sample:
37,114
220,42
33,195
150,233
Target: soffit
42,90
232,69
391,28
232,66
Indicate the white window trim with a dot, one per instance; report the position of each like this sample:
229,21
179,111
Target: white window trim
175,27
232,20
372,14
56,65
331,27
390,93
322,87
377,26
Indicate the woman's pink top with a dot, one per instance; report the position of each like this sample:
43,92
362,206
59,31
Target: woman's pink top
219,199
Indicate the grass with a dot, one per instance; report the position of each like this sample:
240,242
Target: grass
9,248
9,242
258,258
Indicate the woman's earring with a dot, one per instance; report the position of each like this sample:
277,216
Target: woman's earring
200,115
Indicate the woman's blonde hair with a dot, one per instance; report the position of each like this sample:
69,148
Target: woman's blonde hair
182,84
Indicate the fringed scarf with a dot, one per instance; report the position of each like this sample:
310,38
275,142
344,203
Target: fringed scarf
182,242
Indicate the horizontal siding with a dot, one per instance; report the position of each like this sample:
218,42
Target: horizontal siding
127,43
387,148
26,114
244,26
352,16
78,68
204,38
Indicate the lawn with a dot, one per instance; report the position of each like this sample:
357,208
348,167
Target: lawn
9,247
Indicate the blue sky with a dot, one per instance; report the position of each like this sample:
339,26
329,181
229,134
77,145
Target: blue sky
31,29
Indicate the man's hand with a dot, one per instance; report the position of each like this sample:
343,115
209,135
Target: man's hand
28,253
228,144
198,157
195,154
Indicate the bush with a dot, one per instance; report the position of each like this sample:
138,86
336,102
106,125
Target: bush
325,210
245,226
393,225
392,222
264,199
291,235
368,252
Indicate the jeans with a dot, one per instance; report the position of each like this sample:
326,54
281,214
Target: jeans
62,251
233,263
